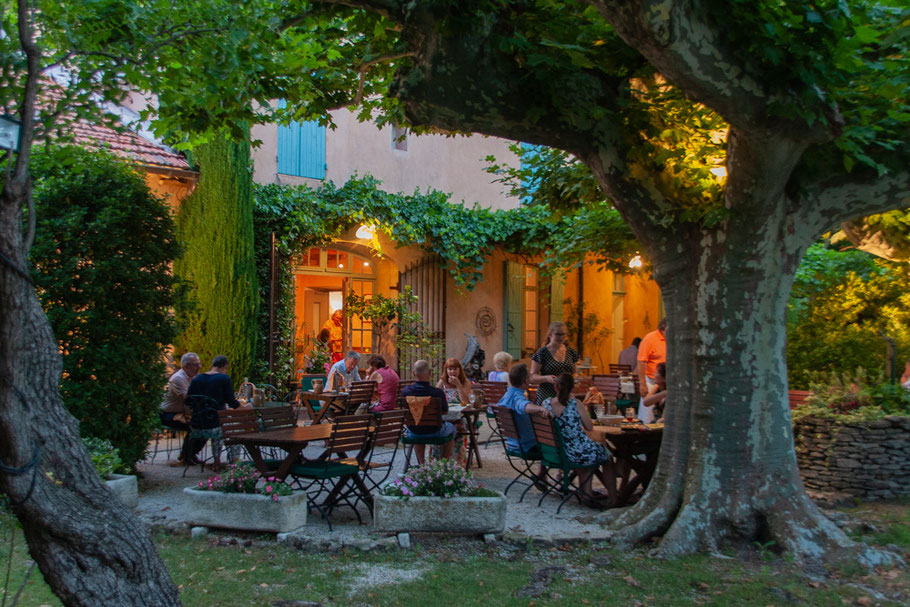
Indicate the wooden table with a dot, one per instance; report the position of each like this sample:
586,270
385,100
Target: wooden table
325,397
470,414
633,451
292,440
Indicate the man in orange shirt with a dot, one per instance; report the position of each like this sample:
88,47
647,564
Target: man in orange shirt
651,352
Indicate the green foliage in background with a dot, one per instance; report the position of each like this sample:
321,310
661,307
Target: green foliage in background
215,227
464,237
842,303
105,456
101,267
853,396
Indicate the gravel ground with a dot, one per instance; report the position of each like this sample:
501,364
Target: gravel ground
161,501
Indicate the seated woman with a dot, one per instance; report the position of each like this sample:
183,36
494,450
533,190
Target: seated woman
573,420
455,383
501,363
386,384
653,403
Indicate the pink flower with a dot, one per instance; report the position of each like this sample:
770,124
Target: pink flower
275,498
268,488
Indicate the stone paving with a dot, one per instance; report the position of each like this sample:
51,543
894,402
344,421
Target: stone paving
161,504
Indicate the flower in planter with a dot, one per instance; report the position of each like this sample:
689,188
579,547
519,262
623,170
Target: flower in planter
436,478
244,478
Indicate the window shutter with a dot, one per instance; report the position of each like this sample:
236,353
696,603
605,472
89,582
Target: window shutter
514,290
557,285
301,149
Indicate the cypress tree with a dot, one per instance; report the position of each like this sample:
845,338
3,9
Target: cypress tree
215,227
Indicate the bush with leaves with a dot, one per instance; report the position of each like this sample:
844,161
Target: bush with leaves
841,327
101,266
851,397
105,457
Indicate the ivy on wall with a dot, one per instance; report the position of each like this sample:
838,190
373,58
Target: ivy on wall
215,226
463,237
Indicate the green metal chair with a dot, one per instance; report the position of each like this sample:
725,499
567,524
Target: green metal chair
554,457
520,460
338,479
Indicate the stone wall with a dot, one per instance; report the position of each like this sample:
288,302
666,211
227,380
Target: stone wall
869,460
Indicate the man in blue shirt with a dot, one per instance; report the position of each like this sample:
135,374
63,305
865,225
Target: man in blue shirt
515,399
344,372
422,387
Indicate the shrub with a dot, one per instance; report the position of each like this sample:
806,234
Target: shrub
244,478
854,397
105,456
437,478
101,267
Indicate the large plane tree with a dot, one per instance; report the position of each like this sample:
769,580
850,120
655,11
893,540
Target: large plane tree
729,135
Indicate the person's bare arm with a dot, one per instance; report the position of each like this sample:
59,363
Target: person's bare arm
537,410
653,399
536,377
586,422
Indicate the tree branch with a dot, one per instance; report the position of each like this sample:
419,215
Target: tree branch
358,98
834,201
679,40
390,9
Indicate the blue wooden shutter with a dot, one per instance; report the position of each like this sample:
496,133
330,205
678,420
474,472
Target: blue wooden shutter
301,149
514,302
557,285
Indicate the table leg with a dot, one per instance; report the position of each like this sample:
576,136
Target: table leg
473,448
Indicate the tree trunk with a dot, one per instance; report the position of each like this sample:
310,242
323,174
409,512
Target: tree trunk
91,549
727,469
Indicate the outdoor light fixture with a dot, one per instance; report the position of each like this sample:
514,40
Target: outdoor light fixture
636,262
365,232
9,133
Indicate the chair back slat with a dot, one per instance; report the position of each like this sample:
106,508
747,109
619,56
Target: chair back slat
505,419
274,418
617,369
432,414
361,392
350,433
493,391
544,431
797,397
581,386
237,421
608,385
389,427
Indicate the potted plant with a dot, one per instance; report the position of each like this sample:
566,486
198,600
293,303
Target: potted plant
316,364
107,462
241,498
437,496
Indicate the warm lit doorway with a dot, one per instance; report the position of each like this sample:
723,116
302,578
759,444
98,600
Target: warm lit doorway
322,278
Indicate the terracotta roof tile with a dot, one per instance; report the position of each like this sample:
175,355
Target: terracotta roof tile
130,145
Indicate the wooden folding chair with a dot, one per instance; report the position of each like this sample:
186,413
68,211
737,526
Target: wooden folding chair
554,457
430,416
493,392
237,421
274,418
619,369
350,434
520,460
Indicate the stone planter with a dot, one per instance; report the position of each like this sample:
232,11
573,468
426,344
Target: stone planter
125,487
451,515
245,511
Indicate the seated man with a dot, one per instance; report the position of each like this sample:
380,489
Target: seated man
422,387
343,372
515,399
173,412
215,384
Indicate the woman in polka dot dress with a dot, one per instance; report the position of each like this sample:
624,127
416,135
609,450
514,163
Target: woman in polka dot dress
551,360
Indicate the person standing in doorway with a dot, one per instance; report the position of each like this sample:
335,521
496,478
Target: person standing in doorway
629,356
333,326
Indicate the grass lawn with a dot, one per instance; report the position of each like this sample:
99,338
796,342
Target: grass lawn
212,571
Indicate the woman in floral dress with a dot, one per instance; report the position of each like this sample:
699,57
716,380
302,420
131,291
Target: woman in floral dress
573,420
551,360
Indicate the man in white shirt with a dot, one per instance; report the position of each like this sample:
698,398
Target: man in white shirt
173,409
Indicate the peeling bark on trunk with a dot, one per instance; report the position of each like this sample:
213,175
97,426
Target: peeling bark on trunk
727,469
91,549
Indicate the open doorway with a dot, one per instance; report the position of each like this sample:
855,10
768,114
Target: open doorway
322,280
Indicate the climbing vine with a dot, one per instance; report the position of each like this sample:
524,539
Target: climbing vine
463,236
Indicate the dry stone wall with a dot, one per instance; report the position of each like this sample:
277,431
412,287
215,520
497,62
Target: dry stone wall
869,460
